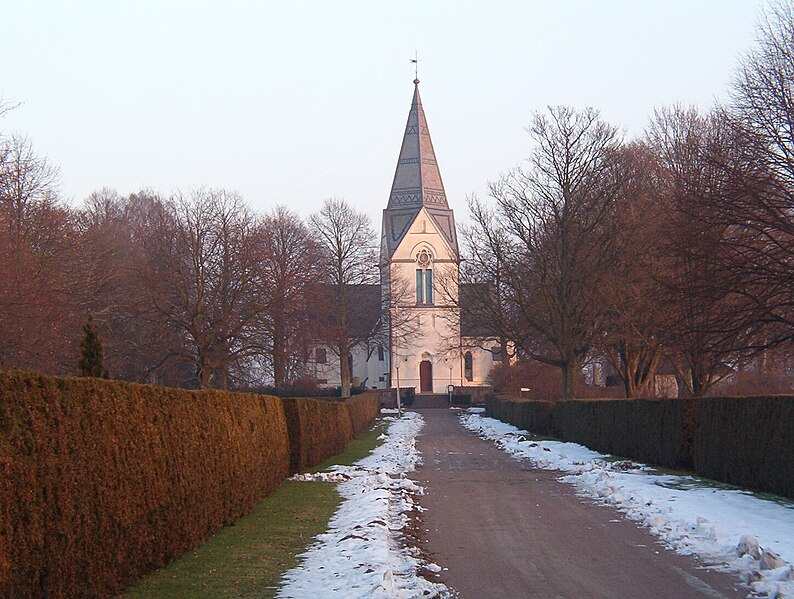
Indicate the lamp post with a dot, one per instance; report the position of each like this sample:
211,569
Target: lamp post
399,403
450,387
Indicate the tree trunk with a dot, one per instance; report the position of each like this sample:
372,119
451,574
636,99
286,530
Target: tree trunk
569,380
700,380
203,373
279,358
638,370
344,370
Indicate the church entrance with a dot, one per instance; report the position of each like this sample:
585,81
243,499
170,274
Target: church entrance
425,376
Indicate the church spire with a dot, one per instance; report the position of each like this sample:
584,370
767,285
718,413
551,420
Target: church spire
417,186
417,179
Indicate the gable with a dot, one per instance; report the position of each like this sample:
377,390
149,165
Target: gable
437,226
433,227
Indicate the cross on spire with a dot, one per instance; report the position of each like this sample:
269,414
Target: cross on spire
415,60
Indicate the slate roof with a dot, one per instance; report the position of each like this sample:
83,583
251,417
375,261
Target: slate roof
417,183
364,306
365,309
471,322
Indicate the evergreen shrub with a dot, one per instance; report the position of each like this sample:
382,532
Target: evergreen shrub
319,429
747,441
103,481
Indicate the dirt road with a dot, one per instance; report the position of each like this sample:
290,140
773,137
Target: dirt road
504,529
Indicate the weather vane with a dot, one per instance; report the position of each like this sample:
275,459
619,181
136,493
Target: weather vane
415,60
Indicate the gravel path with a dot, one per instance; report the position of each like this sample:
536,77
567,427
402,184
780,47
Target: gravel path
504,529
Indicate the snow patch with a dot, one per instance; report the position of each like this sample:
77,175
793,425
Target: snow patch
730,529
362,554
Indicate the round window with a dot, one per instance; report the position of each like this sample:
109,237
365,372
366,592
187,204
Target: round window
423,258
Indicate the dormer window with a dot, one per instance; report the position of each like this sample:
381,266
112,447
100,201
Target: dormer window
424,277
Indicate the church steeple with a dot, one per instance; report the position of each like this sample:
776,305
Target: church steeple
417,179
417,184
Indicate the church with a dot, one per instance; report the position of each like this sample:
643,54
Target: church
430,343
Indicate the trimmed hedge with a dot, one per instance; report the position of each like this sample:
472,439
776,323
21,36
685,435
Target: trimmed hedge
102,482
534,416
747,441
363,410
319,429
656,431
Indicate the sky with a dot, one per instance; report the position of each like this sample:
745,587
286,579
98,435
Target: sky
295,102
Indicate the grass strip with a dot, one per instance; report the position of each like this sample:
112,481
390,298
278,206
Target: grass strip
248,558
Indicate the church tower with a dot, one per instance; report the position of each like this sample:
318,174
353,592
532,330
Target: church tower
419,266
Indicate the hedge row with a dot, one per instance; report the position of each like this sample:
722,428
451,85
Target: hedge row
655,431
319,429
363,410
102,482
746,441
529,415
105,481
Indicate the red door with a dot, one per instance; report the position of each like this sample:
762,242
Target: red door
425,376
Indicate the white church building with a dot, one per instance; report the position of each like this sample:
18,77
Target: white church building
430,343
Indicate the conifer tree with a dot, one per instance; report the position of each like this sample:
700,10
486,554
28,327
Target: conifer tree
91,358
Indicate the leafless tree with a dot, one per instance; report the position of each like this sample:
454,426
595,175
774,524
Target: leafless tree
290,272
551,240
117,237
36,243
633,333
712,326
202,277
347,242
758,205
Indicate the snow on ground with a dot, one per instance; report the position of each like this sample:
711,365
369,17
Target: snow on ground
725,527
362,553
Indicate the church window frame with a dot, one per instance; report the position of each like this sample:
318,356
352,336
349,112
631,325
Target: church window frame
468,366
424,277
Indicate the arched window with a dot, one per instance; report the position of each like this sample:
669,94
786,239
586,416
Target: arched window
468,366
424,277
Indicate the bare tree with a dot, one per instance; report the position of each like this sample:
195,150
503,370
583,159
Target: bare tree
633,333
712,326
290,271
347,241
551,240
202,277
758,205
118,238
37,326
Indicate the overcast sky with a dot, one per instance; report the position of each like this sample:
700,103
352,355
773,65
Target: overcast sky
293,102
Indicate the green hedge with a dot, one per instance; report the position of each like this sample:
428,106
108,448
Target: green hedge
102,482
746,441
363,410
319,429
655,431
534,416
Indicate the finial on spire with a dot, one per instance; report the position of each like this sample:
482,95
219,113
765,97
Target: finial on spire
415,60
